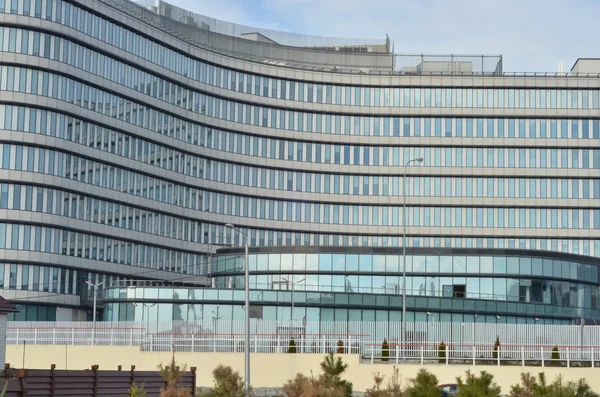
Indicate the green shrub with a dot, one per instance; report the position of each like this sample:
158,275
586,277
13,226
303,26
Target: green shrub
292,346
134,390
496,348
555,357
473,386
340,347
385,351
172,375
424,385
331,378
527,388
442,353
532,387
227,383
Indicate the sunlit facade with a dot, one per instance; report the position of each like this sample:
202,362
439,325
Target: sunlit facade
130,138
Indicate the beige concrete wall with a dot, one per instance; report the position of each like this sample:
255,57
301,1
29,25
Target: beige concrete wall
267,370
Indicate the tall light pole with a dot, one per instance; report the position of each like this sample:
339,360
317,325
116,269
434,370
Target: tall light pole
417,160
247,314
291,280
95,287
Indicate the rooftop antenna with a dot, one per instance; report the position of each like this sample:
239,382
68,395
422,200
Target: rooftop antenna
560,69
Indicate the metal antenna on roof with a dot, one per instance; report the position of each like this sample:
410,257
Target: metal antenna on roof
560,69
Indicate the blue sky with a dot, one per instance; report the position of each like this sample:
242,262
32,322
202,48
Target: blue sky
532,35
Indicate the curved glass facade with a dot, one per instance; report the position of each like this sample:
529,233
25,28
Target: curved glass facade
356,284
126,150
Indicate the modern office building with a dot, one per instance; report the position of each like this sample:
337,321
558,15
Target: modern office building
132,133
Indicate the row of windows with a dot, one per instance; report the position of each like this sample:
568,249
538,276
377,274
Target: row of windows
39,199
16,157
41,44
82,245
57,202
38,278
398,155
57,163
216,233
175,195
449,156
389,308
51,162
558,293
63,88
54,124
21,118
28,312
393,263
125,39
307,212
222,235
159,313
269,237
339,214
18,198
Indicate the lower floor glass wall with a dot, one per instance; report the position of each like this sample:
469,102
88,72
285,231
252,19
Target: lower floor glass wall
365,284
33,313
166,312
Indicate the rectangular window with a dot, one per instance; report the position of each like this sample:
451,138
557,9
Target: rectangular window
12,281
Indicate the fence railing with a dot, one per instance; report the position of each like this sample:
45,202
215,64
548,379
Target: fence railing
539,356
258,343
212,335
76,336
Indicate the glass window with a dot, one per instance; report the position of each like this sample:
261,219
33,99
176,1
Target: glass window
312,262
526,266
392,263
379,263
445,264
419,264
433,264
469,264
487,264
512,265
325,262
263,262
351,262
365,263
287,262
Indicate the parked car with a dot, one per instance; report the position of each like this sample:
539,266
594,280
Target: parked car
449,389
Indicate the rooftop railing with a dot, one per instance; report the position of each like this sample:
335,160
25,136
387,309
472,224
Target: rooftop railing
403,64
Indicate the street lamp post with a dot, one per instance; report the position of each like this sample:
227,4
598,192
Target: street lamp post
291,281
95,287
247,314
417,160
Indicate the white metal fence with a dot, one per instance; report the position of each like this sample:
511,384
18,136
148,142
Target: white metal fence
540,356
366,338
